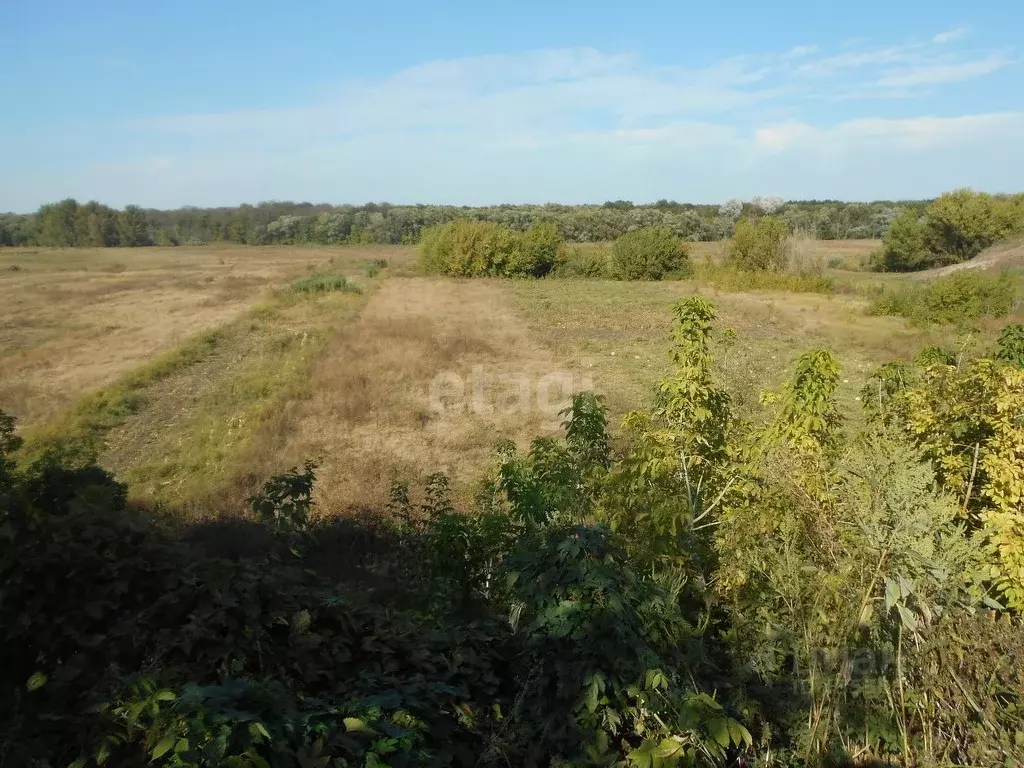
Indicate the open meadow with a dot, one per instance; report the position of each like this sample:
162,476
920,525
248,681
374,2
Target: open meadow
196,373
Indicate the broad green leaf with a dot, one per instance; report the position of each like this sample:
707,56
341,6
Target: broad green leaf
719,729
355,725
892,593
906,587
908,618
163,746
37,681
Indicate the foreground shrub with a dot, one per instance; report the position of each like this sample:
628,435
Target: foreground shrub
649,254
466,248
759,245
1010,345
324,284
962,297
806,590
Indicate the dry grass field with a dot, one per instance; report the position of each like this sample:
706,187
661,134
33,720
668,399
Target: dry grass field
198,373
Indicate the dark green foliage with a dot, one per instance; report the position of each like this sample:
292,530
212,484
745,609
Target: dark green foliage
904,248
962,297
699,591
293,223
575,262
967,682
603,644
119,641
954,228
284,502
324,284
651,253
1010,344
935,355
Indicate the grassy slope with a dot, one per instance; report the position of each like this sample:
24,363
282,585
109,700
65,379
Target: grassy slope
347,378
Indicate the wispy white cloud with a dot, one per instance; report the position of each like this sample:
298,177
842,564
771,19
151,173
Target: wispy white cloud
950,35
800,51
573,88
937,73
917,133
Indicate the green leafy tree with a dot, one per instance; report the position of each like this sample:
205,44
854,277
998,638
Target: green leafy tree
759,245
133,227
904,247
56,224
959,225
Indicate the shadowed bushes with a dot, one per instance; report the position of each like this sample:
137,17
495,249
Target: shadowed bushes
700,591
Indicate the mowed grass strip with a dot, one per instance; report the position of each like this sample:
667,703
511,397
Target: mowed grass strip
78,434
75,320
620,332
210,437
180,426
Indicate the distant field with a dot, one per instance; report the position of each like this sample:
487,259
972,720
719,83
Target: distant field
203,374
72,320
852,254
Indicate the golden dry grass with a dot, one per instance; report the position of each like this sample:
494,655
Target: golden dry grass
73,320
622,331
346,379
370,419
851,254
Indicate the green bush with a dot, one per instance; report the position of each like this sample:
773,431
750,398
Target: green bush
904,248
1010,345
652,253
466,248
324,284
961,297
959,225
577,262
955,227
759,245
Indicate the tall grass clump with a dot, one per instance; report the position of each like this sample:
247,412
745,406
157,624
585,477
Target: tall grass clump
575,262
732,280
324,284
465,248
652,253
959,298
804,258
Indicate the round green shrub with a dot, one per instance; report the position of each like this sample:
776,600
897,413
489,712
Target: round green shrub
651,253
466,248
760,245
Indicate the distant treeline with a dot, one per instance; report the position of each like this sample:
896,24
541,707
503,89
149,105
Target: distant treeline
69,223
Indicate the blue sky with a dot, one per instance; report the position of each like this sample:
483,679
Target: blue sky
216,103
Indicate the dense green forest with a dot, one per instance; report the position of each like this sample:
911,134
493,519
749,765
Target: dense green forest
917,234
816,588
69,223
